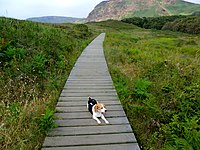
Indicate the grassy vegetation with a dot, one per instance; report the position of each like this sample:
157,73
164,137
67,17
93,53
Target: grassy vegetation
180,7
156,74
35,60
157,77
187,24
162,8
152,22
146,12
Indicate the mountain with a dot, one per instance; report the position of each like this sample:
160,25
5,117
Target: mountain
54,19
119,9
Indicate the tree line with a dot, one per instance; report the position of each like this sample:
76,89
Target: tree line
187,24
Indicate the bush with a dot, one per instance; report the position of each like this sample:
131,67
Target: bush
187,25
151,22
141,90
81,31
35,60
157,80
46,121
38,66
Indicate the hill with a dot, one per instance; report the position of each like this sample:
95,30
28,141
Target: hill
35,60
119,9
157,76
54,19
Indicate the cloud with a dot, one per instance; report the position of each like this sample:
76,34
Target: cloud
193,1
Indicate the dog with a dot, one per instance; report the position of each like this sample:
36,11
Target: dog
97,110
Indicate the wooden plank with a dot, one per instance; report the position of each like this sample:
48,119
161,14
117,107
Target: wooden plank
64,94
89,91
83,103
79,109
85,99
88,87
89,140
89,122
75,115
90,71
92,83
89,81
89,77
89,130
132,146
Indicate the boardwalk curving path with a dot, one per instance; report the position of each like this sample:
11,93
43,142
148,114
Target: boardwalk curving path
76,129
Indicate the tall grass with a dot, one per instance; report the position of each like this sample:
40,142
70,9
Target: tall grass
157,77
35,60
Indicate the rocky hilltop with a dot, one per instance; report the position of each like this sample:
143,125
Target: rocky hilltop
119,9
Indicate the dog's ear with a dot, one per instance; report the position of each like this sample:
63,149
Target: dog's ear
89,98
97,107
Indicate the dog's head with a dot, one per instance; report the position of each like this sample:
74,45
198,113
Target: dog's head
99,107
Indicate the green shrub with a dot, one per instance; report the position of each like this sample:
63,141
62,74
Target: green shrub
141,90
38,65
46,121
151,22
187,25
14,111
35,60
81,31
157,80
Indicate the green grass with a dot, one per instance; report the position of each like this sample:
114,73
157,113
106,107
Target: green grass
156,74
35,60
146,13
157,77
181,7
162,8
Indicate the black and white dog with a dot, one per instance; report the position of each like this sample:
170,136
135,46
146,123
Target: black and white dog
97,110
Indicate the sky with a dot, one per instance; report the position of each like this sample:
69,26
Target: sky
23,9
194,1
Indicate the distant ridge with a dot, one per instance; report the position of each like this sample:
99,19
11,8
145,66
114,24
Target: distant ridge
55,19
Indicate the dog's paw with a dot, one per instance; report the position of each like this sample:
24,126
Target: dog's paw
107,122
99,122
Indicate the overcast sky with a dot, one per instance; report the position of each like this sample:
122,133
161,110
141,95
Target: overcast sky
22,9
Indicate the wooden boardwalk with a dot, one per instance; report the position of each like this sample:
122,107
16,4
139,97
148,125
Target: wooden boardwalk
76,129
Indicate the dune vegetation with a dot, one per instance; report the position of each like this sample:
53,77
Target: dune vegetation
35,60
156,74
157,77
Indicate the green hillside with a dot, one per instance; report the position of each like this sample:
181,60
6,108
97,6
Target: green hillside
156,74
55,19
157,77
182,23
179,7
183,8
35,60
